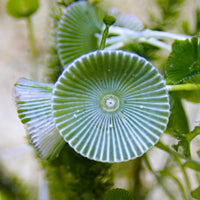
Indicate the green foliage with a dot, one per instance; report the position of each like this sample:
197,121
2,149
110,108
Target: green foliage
185,145
109,20
197,19
184,142
198,153
53,64
192,165
118,194
72,176
13,188
22,8
193,133
170,11
184,61
145,50
178,122
66,3
178,125
196,193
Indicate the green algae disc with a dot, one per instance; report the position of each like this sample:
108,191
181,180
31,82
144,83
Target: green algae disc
110,106
33,101
76,31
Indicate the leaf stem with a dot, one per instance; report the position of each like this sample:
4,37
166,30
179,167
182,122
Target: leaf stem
165,148
184,173
183,87
193,134
32,48
104,36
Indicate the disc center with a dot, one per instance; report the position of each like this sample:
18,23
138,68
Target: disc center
110,103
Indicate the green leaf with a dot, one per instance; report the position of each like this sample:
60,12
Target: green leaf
198,153
111,105
183,142
191,96
11,187
178,122
196,193
22,8
118,194
184,61
192,165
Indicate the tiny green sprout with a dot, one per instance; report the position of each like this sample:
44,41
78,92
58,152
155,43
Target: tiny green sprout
24,9
108,21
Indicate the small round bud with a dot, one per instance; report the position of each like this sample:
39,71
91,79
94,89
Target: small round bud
109,20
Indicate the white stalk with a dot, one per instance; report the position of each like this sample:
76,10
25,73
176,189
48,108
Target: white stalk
126,36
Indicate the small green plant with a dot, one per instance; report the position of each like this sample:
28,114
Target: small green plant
108,104
24,9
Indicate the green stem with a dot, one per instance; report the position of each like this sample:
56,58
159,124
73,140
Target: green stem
165,148
105,35
168,174
183,87
32,48
137,184
157,177
193,134
108,21
184,173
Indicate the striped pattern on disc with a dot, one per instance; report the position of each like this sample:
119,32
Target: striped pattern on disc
110,106
33,101
76,31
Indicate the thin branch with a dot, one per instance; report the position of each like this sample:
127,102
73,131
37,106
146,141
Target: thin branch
157,178
165,148
168,174
183,87
32,48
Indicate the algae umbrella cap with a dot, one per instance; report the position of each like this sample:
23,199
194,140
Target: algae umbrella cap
76,31
22,8
110,105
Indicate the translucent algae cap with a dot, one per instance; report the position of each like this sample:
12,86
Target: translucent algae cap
76,31
110,106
